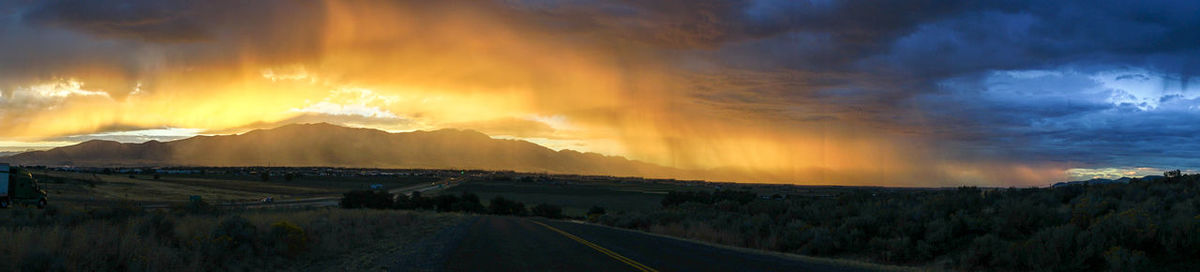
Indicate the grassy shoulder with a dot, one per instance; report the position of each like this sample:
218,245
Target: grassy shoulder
1140,226
129,238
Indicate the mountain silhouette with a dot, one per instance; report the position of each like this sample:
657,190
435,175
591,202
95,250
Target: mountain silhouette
324,144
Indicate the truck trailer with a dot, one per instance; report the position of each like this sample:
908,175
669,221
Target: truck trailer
17,186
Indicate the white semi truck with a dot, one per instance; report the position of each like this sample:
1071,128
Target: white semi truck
17,186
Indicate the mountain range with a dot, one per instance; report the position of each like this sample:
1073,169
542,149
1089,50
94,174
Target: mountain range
1103,181
324,144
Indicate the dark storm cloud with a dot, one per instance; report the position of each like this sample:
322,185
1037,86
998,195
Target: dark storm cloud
158,21
116,45
1100,83
893,63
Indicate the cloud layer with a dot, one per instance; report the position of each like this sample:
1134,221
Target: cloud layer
916,93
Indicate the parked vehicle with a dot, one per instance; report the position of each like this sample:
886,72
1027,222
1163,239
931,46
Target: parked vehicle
17,186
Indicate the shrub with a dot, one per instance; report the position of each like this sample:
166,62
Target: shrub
547,211
596,210
987,251
468,203
674,198
157,226
595,213
290,240
195,205
503,206
1120,259
445,203
366,199
43,261
235,233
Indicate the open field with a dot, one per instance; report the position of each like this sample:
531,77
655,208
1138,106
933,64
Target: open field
83,187
86,186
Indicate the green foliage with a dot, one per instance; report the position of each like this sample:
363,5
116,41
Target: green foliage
547,211
1120,259
413,202
596,210
112,239
42,261
289,239
158,226
446,203
235,233
675,198
195,205
468,203
503,206
366,199
1146,225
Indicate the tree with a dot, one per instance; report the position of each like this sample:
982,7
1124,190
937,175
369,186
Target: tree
547,211
469,202
503,206
445,203
596,210
366,199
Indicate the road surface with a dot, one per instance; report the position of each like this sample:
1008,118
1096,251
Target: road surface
494,243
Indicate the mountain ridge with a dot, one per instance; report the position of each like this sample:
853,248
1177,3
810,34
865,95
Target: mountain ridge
1122,180
323,144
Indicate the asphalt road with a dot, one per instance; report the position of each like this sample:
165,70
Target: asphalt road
495,243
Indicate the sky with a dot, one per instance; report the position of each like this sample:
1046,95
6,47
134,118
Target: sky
893,93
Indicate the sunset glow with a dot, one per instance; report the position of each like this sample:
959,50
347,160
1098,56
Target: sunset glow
740,90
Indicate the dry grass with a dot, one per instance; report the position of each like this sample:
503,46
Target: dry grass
72,239
143,189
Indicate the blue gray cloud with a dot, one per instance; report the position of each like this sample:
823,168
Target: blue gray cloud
1086,84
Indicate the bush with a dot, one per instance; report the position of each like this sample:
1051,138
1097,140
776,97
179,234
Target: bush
235,233
595,213
43,261
674,198
79,239
469,203
158,226
366,199
289,239
414,201
547,211
445,203
1120,259
987,251
195,205
503,206
1145,224
596,210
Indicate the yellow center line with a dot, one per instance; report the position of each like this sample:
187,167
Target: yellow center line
605,251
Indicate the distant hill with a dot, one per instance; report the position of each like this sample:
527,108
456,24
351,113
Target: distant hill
1102,181
330,145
